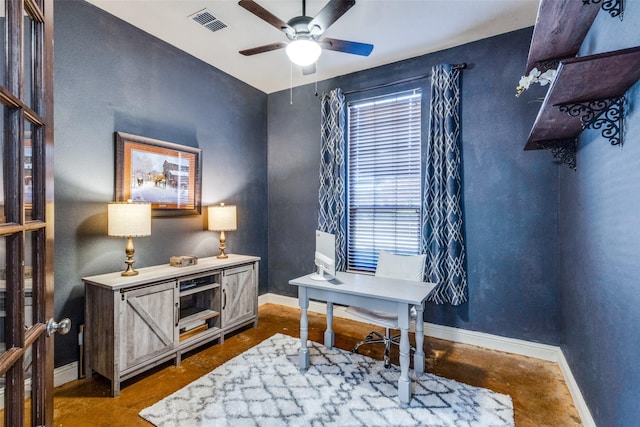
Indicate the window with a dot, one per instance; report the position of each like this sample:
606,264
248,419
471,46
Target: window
384,178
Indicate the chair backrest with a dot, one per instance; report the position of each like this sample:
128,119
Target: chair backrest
405,267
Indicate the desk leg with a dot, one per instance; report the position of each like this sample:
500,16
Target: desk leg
418,357
328,334
303,355
404,383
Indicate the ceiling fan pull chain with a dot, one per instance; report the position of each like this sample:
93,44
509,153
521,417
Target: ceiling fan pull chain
290,83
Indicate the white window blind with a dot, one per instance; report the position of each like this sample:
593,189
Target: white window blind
384,178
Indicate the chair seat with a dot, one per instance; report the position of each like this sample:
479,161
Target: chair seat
380,318
404,267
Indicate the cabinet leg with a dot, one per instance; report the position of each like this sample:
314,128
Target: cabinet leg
86,354
115,388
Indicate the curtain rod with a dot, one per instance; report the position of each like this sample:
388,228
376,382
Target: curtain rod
407,80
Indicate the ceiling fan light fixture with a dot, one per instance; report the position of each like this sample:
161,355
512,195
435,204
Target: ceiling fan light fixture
303,52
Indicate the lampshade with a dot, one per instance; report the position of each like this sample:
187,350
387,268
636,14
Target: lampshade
222,218
303,52
129,219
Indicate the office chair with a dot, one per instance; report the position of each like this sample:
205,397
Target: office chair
404,267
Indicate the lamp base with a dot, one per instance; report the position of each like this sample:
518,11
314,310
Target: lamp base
223,246
130,251
129,271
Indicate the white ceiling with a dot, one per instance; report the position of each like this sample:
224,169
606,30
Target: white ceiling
399,29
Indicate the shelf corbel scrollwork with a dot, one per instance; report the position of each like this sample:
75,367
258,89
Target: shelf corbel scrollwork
614,7
606,114
562,149
545,65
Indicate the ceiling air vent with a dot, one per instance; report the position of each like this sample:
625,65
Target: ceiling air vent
207,20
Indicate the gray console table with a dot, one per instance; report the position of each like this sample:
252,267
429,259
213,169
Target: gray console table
135,323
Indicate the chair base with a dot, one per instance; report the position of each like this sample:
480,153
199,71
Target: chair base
376,337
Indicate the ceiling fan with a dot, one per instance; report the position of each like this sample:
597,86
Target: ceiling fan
304,33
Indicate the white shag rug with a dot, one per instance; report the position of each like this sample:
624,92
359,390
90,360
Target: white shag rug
264,387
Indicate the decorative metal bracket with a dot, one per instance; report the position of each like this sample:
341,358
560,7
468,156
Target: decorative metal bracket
547,64
562,149
614,7
606,114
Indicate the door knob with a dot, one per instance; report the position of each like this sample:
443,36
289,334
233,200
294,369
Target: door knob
63,327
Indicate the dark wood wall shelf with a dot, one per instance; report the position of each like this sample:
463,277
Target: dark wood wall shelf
588,91
578,80
561,26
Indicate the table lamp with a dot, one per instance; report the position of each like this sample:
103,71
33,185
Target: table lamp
127,219
222,218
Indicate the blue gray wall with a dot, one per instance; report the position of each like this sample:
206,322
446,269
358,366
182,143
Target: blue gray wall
551,252
111,77
599,216
510,195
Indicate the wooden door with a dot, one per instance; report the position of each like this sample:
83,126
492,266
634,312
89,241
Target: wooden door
149,323
239,295
26,212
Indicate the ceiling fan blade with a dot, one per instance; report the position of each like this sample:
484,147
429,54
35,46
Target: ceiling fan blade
263,14
363,49
329,14
262,49
309,69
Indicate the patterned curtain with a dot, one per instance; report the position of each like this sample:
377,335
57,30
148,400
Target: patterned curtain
443,231
331,197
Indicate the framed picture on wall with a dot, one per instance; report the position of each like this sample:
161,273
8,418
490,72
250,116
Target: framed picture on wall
165,174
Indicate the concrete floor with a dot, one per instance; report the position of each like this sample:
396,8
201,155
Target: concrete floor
537,388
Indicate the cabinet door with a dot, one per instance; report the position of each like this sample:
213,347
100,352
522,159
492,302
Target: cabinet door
239,295
148,319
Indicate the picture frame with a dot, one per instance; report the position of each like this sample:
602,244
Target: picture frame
165,174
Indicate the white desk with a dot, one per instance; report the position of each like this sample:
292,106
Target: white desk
376,293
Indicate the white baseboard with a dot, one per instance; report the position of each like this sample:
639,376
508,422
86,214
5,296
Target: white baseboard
494,342
572,385
65,374
62,375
